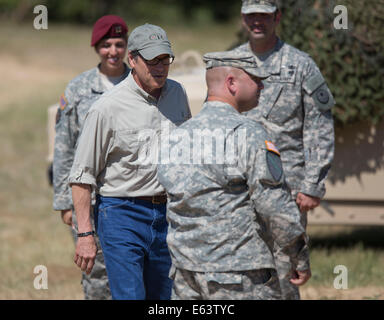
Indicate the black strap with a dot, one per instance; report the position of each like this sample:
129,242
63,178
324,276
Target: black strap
85,234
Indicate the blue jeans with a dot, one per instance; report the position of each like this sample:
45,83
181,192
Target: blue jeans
132,235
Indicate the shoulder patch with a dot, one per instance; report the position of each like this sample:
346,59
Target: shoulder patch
271,147
63,102
275,166
322,95
323,98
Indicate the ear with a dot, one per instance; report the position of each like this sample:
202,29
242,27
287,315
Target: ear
131,60
231,84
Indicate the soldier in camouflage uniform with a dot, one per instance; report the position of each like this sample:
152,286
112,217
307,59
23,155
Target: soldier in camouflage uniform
109,37
295,108
225,206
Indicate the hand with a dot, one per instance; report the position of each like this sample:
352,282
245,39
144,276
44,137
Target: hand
85,254
66,216
300,277
306,202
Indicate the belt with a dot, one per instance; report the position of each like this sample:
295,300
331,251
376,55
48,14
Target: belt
154,199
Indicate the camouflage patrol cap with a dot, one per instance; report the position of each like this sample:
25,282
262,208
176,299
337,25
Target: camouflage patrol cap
259,6
240,60
109,26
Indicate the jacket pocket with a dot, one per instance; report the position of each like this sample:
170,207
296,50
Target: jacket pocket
270,100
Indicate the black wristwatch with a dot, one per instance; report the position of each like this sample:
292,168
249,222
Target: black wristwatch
86,234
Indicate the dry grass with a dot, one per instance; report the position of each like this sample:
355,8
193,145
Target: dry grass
36,65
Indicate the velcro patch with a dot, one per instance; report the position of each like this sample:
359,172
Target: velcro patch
271,147
63,102
313,83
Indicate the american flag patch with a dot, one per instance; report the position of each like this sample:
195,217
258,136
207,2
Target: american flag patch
63,102
271,147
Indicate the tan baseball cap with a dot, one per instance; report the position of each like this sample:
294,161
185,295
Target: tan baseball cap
150,41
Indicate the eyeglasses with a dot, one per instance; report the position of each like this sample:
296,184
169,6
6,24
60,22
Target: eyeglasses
165,61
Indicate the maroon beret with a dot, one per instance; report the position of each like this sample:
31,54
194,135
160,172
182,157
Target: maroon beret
110,26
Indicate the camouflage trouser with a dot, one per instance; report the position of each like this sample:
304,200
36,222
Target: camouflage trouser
289,291
95,284
284,269
259,284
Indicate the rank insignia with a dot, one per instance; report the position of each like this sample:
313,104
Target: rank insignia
118,29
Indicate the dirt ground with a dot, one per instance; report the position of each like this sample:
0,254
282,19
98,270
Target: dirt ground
321,293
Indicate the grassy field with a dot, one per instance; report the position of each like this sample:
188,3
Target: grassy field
359,249
36,65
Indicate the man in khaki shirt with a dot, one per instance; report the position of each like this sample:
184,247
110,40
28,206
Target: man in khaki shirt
117,156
